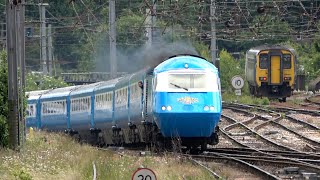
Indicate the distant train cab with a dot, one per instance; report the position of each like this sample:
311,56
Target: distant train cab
270,71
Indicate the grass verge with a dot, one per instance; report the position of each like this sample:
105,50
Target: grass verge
56,156
245,99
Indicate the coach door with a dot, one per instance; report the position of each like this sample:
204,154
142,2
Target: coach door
147,98
275,70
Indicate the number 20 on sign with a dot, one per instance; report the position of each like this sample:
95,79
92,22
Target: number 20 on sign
144,174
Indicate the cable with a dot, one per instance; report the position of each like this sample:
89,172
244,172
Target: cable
85,31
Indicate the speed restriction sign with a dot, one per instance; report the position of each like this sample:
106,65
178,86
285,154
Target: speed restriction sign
144,174
237,82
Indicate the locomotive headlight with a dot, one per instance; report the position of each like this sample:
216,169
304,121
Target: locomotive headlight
169,108
211,108
287,78
263,78
186,66
163,108
206,108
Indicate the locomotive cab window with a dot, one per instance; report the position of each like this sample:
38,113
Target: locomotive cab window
31,110
286,61
195,81
263,63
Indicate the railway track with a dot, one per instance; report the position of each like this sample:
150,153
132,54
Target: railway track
278,129
250,138
278,109
246,136
248,144
261,164
315,99
245,169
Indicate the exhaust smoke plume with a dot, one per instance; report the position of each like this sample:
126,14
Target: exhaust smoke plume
142,57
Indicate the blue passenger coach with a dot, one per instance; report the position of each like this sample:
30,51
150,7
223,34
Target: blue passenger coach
32,108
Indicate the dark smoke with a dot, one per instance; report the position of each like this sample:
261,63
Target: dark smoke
130,61
161,52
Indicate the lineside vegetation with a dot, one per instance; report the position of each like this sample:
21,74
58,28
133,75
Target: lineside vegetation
57,156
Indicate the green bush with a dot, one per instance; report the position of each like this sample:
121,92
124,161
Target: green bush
22,175
229,67
4,109
41,82
3,99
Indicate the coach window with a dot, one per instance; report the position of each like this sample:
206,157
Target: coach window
30,110
263,63
116,97
63,107
50,107
286,61
74,105
80,104
77,105
108,100
85,107
83,102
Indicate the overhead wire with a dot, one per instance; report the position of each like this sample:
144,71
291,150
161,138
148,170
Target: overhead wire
85,31
244,28
244,16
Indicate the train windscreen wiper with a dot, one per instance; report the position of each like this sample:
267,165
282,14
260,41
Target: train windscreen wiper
179,86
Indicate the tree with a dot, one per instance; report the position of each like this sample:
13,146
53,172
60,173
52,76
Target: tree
39,82
308,58
229,67
3,99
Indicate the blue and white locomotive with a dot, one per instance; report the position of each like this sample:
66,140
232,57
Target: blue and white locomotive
179,98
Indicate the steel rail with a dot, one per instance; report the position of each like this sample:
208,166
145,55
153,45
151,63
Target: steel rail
278,159
250,167
311,141
262,137
203,166
302,122
275,123
290,154
280,109
309,99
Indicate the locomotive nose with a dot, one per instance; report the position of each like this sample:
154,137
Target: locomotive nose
185,124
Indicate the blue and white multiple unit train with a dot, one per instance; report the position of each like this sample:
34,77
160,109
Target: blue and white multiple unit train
179,98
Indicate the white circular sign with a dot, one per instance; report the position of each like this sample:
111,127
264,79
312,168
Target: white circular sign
237,82
144,174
